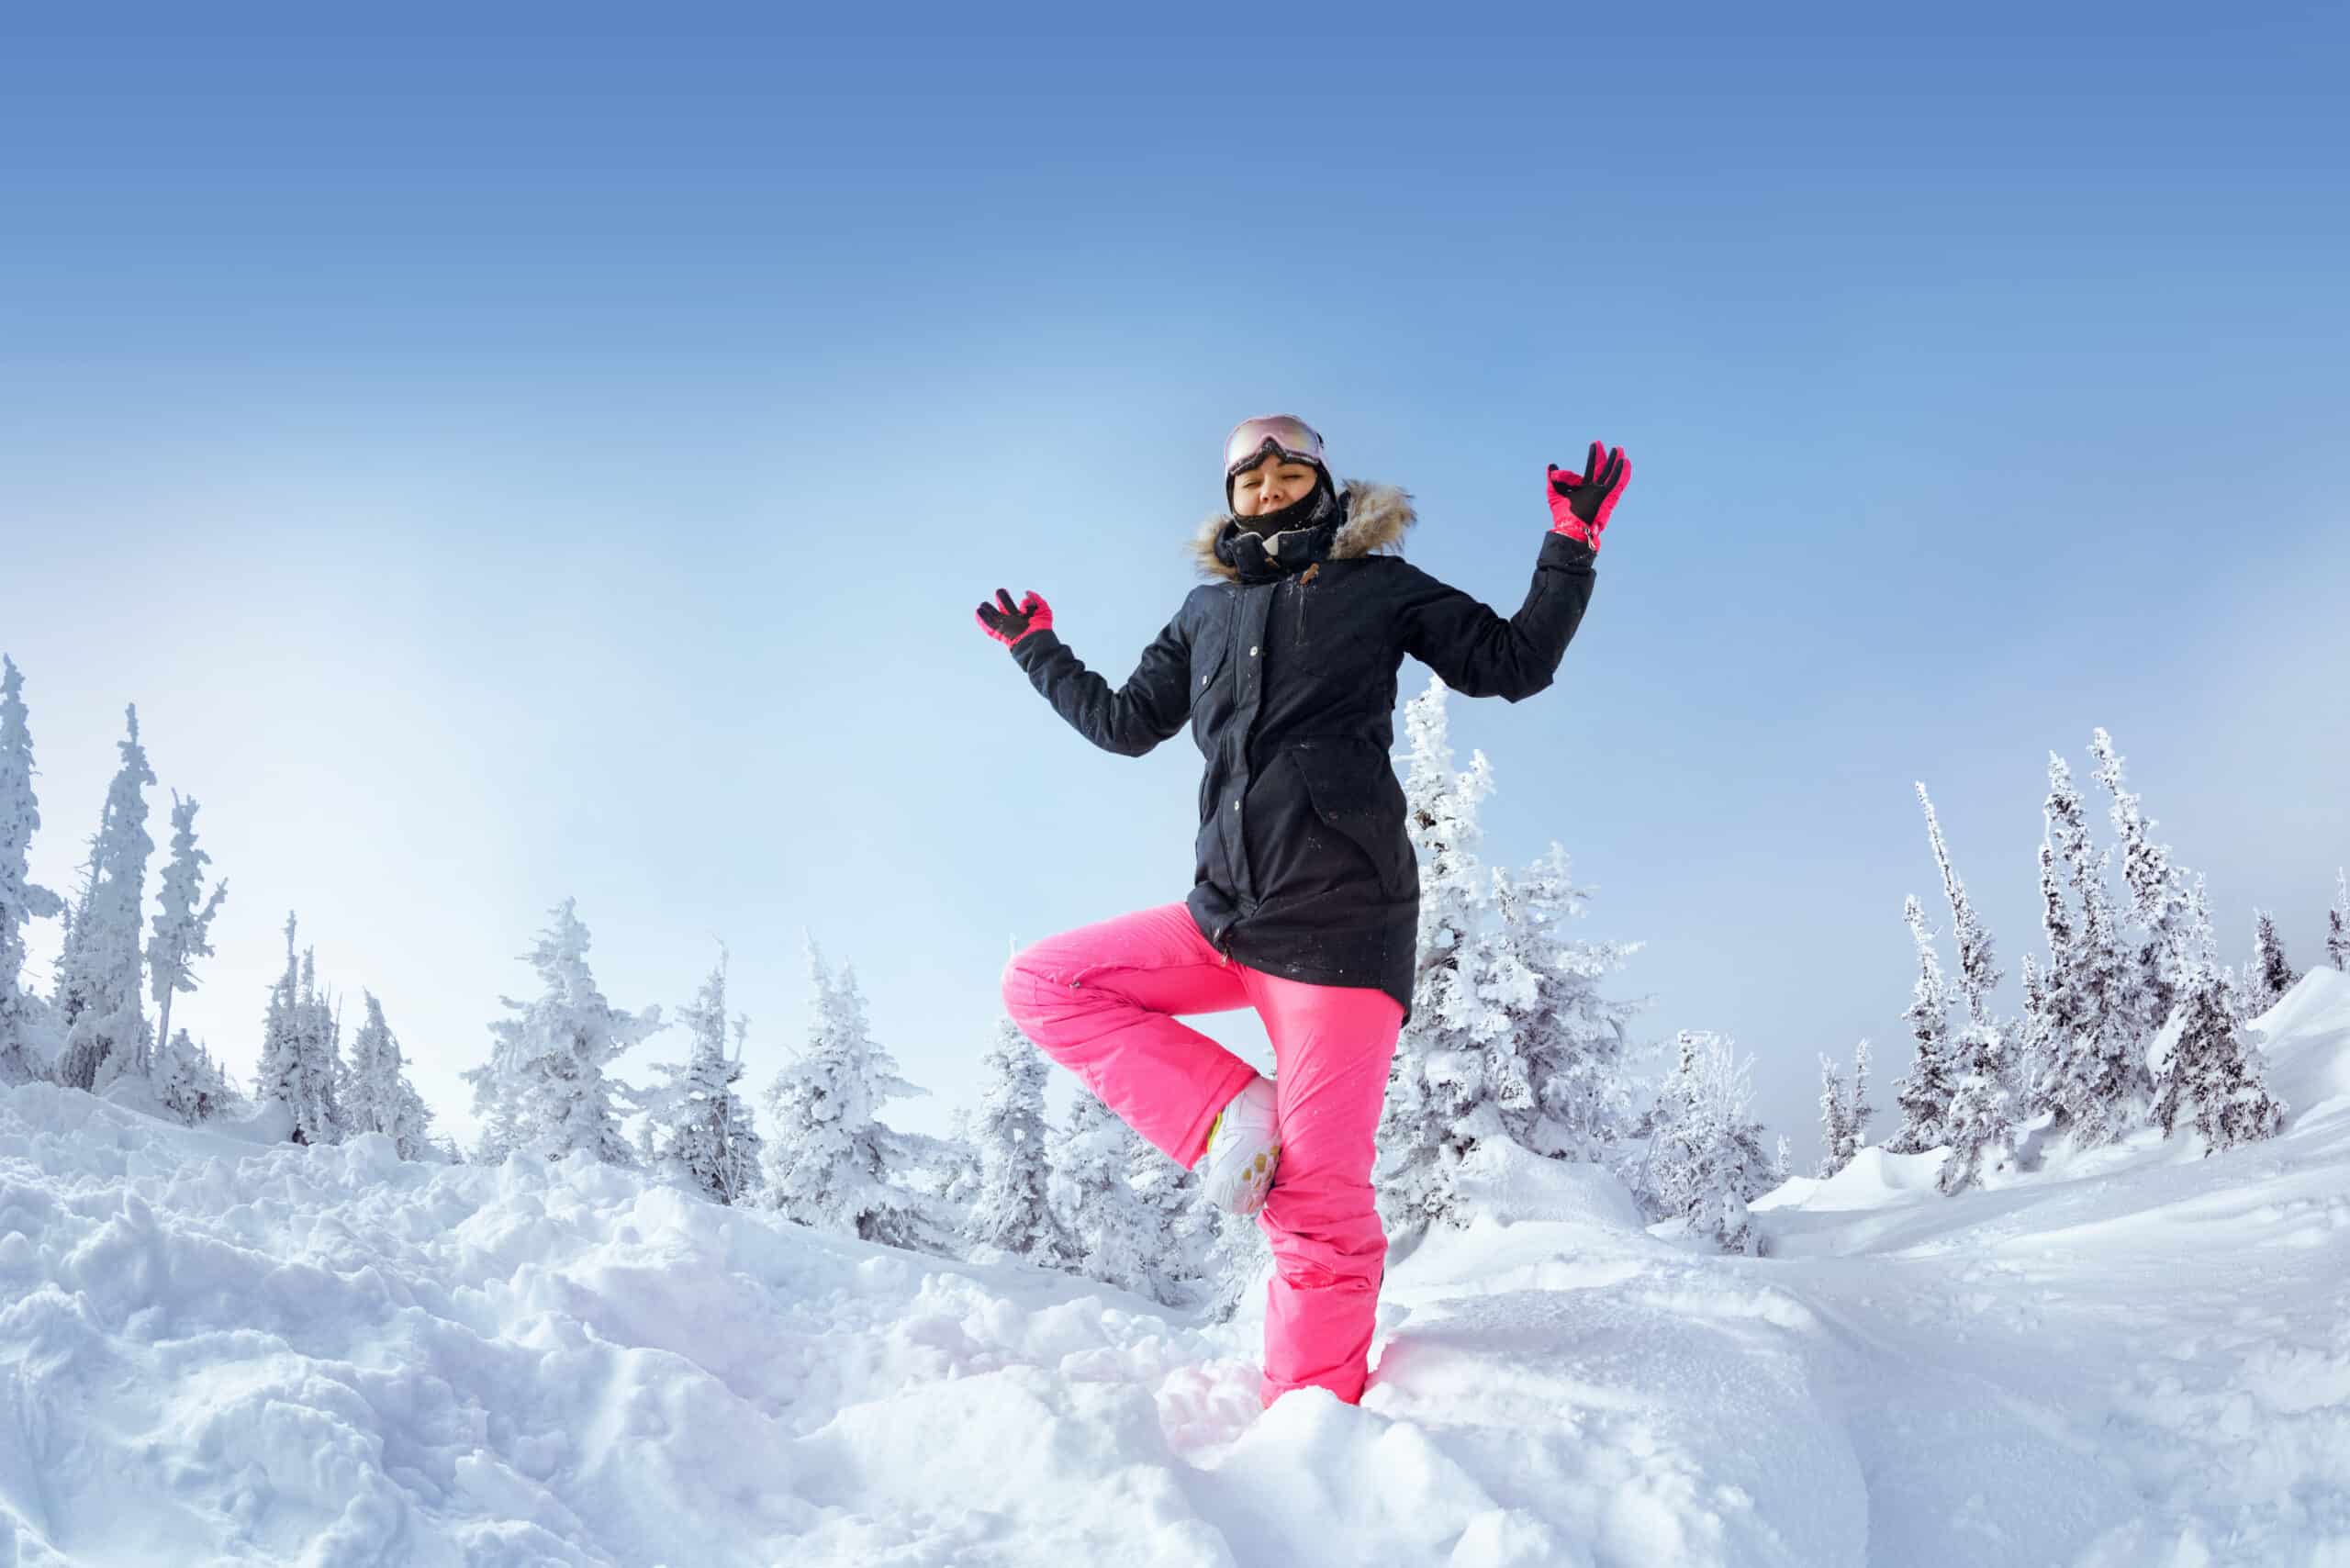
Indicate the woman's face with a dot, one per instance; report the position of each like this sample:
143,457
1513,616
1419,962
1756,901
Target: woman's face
1271,485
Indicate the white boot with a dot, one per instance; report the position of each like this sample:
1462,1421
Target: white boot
1244,1148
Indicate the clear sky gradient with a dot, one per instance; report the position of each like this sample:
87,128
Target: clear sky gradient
519,459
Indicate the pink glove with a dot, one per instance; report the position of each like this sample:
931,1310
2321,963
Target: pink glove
1580,503
1008,622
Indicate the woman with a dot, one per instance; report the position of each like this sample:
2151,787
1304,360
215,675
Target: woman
1304,903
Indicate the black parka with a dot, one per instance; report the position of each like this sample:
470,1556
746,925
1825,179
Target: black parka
1304,868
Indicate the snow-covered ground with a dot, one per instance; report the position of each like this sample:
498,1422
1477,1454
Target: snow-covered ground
213,1351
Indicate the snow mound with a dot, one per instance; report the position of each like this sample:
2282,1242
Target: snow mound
2307,1036
213,1351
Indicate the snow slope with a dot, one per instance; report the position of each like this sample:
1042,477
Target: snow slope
217,1351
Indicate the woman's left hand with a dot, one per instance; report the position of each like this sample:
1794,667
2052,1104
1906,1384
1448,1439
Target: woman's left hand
1581,503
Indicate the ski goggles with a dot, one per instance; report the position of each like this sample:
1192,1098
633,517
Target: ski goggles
1285,435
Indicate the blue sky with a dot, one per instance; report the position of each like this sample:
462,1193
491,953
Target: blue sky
553,458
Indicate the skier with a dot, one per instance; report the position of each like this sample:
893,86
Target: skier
1305,898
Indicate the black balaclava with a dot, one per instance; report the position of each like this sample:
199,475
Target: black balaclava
1303,512
1300,534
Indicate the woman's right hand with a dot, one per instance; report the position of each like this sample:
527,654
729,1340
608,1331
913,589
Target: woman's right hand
1008,622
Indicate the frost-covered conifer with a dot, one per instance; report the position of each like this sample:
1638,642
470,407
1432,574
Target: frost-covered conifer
378,1096
1979,1127
827,1157
2158,902
1168,1196
1981,1111
2270,974
25,1050
1232,1255
1834,1136
1439,1100
1978,971
697,1117
2337,923
181,926
2203,1056
322,1036
189,1083
1010,1207
2095,1078
103,1018
1117,1236
1857,1110
1566,1087
1844,1114
1783,1165
2030,1038
543,1090
1508,1036
1924,1094
1705,1158
298,1066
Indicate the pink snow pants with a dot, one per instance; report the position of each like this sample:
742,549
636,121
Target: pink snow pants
1101,1001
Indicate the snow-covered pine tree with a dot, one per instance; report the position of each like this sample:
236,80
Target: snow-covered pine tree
378,1096
1166,1196
1115,1235
2202,1055
182,923
1232,1255
2158,902
1706,1160
189,1083
297,1070
281,1077
2201,1052
2051,1006
2030,1038
1440,1098
1566,1086
2270,974
1978,971
1924,1094
698,1120
543,1090
1980,1124
2337,923
1834,1135
952,1178
2096,1078
1982,1110
1509,1036
321,1024
1010,1207
1783,1166
1858,1111
826,1155
103,1018
25,1048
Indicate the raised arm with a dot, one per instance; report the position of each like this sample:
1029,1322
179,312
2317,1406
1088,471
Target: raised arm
1478,652
1151,705
1474,649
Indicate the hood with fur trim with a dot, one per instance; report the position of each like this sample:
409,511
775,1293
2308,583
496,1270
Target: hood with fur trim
1377,516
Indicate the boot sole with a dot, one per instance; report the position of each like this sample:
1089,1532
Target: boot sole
1257,1184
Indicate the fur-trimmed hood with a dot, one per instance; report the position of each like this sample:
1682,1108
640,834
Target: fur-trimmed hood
1377,516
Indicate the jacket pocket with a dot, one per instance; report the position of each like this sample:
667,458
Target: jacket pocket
1354,793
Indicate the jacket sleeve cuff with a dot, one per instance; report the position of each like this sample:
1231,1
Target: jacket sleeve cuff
1561,550
1035,645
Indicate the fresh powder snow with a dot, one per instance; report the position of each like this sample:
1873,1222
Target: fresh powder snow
219,1348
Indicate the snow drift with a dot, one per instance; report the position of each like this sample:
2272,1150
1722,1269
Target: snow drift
221,1351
